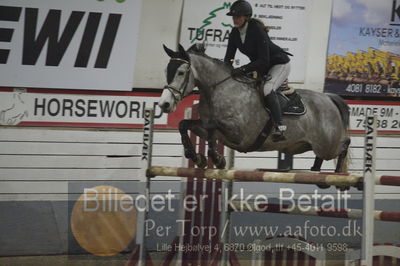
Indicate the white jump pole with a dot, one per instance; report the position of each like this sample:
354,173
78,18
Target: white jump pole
144,181
369,190
185,162
227,187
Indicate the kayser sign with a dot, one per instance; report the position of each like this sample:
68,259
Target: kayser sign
69,44
39,107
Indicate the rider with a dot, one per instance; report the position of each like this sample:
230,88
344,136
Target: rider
266,58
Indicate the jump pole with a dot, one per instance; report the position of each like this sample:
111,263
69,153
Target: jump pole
313,211
257,176
369,190
227,187
272,177
144,185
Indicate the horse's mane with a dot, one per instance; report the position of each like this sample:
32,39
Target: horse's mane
220,63
199,50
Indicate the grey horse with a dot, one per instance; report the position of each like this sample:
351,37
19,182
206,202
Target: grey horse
233,112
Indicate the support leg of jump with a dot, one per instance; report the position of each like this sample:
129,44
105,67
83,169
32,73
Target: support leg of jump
190,152
218,160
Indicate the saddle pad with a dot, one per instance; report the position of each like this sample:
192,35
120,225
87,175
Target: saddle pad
294,106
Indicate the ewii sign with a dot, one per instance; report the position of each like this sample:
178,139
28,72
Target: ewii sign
68,44
57,42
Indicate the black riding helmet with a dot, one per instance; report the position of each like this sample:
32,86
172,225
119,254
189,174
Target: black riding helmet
240,8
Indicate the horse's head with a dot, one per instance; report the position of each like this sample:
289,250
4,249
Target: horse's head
180,79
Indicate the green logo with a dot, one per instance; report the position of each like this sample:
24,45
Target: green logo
208,20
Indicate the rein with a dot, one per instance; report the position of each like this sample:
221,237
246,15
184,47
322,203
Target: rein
252,80
179,94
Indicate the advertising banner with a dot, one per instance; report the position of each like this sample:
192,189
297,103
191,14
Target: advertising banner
69,44
364,48
60,108
388,114
51,108
206,21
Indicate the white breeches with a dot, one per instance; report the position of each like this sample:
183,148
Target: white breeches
278,73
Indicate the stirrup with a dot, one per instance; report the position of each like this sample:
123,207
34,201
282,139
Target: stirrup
282,128
277,135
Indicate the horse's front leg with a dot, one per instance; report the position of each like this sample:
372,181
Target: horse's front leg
218,160
190,152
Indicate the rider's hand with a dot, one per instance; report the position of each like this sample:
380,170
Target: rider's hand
236,72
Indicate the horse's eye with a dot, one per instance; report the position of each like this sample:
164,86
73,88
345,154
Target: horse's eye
180,73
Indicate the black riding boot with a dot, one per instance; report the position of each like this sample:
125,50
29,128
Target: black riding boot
274,106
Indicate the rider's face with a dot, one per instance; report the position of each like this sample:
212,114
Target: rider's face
239,21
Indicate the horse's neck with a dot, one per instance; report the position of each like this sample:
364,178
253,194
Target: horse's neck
208,72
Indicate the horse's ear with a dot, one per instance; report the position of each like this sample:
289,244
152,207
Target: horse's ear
202,47
198,48
183,52
169,51
193,48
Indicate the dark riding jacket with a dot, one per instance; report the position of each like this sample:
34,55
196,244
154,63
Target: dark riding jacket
262,52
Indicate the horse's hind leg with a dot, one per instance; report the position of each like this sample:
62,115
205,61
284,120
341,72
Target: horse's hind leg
190,152
317,164
342,156
317,167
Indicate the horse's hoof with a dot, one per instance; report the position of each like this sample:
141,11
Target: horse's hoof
189,154
323,186
201,161
221,163
315,169
359,186
343,188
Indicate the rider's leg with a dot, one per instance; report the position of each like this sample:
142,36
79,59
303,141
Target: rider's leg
275,108
279,73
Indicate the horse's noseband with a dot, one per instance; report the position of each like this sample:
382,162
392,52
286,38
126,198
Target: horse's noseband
179,93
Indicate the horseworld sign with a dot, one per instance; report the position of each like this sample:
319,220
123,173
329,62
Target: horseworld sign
72,108
73,44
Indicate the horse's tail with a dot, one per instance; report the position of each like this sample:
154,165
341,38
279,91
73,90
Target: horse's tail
345,115
343,109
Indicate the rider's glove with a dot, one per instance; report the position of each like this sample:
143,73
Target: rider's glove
236,72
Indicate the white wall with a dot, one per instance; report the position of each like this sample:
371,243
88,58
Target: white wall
319,25
160,20
40,163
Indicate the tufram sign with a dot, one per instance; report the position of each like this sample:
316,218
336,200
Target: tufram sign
68,44
287,20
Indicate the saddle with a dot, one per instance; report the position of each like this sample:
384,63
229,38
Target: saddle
290,101
291,104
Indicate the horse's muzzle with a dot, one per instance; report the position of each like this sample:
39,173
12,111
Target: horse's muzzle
165,107
167,101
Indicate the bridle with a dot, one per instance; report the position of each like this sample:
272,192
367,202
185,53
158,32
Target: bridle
179,94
